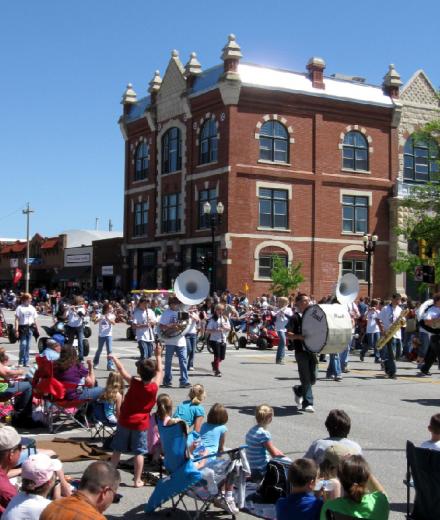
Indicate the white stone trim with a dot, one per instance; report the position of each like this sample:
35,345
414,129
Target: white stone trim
208,173
164,128
363,131
263,245
274,186
348,249
280,119
357,193
140,189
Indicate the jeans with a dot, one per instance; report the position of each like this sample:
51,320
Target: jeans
433,353
372,339
334,366
191,342
219,350
170,350
343,357
79,333
307,366
23,402
407,342
146,348
25,341
389,356
281,350
107,341
424,344
91,392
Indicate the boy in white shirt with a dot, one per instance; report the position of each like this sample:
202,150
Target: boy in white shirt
434,429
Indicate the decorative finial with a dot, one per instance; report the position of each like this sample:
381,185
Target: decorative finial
193,66
174,53
155,83
231,50
129,95
392,77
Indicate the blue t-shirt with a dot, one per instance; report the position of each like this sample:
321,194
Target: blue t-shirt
188,412
210,435
256,452
299,505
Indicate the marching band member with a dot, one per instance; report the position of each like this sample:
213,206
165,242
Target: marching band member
75,324
431,315
388,315
191,336
282,316
218,328
144,321
105,321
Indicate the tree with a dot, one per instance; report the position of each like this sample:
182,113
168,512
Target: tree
285,278
422,223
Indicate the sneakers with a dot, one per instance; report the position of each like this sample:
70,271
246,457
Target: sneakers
424,374
227,504
166,385
185,385
191,369
281,362
218,373
298,398
309,409
338,378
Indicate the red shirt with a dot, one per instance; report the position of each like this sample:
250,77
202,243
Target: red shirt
7,491
137,405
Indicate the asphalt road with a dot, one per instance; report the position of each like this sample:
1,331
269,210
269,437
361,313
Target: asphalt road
385,413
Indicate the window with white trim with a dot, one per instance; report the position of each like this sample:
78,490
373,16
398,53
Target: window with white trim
208,142
266,263
420,161
171,151
210,196
142,161
355,266
354,214
140,221
171,213
274,142
355,151
273,208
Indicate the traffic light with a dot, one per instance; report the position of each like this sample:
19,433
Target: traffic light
422,249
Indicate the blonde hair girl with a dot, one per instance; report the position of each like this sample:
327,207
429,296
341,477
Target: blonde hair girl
112,396
191,410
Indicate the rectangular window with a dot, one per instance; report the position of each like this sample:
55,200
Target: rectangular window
140,219
356,267
265,264
207,196
354,214
273,208
171,213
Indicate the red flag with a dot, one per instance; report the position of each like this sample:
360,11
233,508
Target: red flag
17,276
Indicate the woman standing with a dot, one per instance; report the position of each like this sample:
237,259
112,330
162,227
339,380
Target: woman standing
282,316
105,321
218,328
25,324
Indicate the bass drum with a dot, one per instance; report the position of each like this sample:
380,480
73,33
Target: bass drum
326,328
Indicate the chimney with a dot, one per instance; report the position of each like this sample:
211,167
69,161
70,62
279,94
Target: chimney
192,70
391,82
231,56
154,86
316,66
128,98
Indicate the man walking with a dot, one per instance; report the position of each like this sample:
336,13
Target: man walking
144,320
430,319
387,317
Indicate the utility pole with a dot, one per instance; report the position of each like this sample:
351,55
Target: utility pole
27,212
96,223
110,225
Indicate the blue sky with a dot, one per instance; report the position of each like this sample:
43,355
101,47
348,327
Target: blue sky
64,66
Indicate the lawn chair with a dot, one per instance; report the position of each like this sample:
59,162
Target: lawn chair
332,515
423,467
102,428
185,479
51,392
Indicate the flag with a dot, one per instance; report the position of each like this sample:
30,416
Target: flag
18,275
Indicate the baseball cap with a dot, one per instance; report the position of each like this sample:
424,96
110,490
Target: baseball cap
9,438
39,468
338,452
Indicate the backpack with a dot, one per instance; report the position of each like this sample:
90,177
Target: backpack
275,484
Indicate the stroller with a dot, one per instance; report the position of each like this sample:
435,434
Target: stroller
185,479
7,329
58,333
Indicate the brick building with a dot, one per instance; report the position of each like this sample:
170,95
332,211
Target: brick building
304,165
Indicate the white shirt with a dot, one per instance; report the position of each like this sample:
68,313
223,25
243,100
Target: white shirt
26,314
192,324
282,318
105,327
428,445
73,318
432,313
388,315
25,507
170,316
214,333
372,325
142,317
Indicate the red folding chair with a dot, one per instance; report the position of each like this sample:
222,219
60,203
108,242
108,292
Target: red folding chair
51,392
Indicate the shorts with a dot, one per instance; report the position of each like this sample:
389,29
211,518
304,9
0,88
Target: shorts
130,441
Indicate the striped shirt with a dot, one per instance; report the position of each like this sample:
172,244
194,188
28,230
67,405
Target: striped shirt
256,452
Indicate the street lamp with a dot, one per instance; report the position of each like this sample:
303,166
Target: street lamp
369,247
215,219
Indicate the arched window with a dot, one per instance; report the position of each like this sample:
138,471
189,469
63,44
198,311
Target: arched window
142,161
420,161
208,142
355,152
274,142
266,261
171,151
355,262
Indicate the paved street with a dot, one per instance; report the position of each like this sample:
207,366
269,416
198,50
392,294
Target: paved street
384,413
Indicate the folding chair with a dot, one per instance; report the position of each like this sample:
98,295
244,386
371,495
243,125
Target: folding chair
422,466
51,392
332,515
184,479
101,427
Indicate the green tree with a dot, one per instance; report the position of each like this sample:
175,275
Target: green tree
285,278
423,219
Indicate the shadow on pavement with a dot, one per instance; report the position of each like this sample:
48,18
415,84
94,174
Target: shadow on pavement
398,507
279,411
424,402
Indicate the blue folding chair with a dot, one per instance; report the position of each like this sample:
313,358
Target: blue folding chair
183,479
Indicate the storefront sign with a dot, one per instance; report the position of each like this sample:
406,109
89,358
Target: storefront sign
13,263
107,270
78,259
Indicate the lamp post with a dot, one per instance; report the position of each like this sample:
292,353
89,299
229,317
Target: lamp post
215,219
369,247
27,212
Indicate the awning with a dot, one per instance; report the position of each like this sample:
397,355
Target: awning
49,243
67,274
19,247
